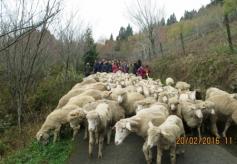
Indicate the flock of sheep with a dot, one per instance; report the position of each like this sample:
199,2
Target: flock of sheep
129,104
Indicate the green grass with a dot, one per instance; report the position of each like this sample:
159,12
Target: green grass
37,153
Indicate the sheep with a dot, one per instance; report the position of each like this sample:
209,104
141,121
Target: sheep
182,86
145,103
126,99
78,117
173,104
81,100
187,95
99,86
164,136
215,91
207,108
169,81
85,81
100,122
64,100
191,114
96,94
53,123
139,124
225,108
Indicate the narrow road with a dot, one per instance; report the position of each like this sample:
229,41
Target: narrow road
130,152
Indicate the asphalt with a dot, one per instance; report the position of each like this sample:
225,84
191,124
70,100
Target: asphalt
130,152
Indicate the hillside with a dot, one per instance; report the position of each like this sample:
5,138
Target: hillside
206,59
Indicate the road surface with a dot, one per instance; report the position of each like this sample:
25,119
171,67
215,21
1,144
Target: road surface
130,152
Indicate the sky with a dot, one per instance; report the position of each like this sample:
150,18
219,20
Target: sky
107,16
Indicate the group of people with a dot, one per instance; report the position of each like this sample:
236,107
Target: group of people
110,66
117,65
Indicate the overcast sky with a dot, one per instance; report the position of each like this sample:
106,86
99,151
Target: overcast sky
107,16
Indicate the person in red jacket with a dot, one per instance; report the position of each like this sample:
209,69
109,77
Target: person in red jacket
114,67
141,72
148,71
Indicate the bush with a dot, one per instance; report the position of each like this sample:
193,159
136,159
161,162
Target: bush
37,153
52,88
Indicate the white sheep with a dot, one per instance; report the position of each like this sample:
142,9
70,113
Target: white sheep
144,103
182,86
53,123
139,125
215,91
164,136
64,100
169,81
81,100
126,99
100,122
225,109
191,114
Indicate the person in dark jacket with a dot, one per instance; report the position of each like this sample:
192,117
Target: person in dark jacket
96,67
101,66
110,66
135,67
87,69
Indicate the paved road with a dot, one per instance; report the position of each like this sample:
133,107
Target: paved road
130,152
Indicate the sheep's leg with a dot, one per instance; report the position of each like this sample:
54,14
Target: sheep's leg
91,143
75,131
173,154
96,138
159,155
101,142
146,153
86,133
56,132
227,125
109,135
214,129
199,131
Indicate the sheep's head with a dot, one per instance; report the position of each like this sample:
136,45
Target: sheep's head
42,137
196,112
163,97
93,119
153,135
77,115
173,104
123,128
121,96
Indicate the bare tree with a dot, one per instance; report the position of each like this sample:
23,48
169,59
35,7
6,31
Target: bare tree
71,44
23,41
146,15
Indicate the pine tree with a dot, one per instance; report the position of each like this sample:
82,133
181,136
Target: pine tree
90,53
172,19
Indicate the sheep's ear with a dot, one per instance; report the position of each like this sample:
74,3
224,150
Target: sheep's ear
128,126
150,124
39,136
86,112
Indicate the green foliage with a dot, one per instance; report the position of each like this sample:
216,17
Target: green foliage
189,15
230,6
125,33
52,88
37,153
90,48
201,71
172,19
3,148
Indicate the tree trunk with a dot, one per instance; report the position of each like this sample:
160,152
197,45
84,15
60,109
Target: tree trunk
182,43
227,24
161,49
19,110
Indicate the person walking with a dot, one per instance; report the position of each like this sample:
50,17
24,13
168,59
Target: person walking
87,69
